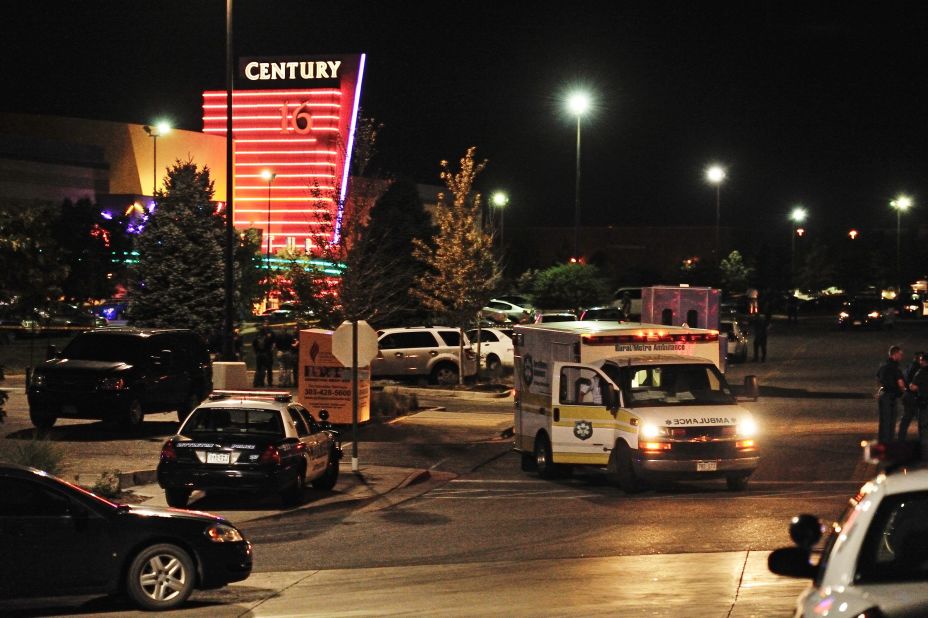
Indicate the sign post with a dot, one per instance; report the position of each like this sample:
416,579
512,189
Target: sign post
354,344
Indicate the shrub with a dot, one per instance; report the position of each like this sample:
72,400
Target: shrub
107,486
390,403
35,453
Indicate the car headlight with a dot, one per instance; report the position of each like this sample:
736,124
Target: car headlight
112,384
649,430
873,315
844,315
223,533
747,428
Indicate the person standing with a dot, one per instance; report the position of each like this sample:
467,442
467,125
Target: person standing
910,397
892,386
760,327
263,345
919,386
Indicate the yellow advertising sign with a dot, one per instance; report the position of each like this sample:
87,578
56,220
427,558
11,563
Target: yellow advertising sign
325,384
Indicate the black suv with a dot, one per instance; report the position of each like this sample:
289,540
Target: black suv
121,374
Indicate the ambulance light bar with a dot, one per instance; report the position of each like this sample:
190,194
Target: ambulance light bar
651,336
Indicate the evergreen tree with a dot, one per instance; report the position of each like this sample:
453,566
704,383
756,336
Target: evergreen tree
572,285
735,273
31,271
178,280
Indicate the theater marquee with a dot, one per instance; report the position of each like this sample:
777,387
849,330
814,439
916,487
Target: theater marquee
294,117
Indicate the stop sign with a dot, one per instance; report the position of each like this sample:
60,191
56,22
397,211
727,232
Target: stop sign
367,344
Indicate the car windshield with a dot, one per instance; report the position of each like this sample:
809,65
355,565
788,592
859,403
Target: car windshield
674,385
233,421
107,348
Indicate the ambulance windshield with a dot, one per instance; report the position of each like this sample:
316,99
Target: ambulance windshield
674,385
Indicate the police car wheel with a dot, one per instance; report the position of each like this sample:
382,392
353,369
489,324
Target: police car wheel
177,497
330,476
736,483
292,495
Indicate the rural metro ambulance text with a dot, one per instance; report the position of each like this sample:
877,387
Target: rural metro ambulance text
325,384
639,401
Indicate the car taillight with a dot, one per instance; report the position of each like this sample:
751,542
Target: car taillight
270,456
168,452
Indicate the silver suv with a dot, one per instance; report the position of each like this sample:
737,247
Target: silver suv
430,351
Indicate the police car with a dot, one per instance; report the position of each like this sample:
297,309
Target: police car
875,559
250,441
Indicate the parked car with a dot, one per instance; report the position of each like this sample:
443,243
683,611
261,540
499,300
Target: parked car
875,558
61,539
121,374
610,314
737,341
250,442
516,299
555,316
634,295
501,311
428,351
867,312
496,348
60,319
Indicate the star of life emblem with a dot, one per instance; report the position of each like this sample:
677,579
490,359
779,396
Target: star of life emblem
583,430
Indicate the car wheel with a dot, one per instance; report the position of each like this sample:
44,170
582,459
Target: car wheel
736,483
544,463
177,497
190,403
41,419
493,363
328,479
161,577
134,414
445,374
292,495
622,472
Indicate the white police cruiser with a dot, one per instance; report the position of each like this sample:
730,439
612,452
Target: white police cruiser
875,559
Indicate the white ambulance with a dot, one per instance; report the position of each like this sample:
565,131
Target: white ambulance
640,401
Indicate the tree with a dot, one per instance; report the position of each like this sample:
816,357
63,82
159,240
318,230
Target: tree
735,274
571,285
32,272
462,270
177,279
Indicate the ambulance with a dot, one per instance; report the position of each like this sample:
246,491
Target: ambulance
642,402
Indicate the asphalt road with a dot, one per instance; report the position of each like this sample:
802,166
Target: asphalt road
816,406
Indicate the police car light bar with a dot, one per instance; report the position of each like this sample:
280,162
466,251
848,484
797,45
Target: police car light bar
890,453
282,396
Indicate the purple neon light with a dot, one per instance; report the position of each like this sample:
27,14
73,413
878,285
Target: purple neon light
107,215
336,236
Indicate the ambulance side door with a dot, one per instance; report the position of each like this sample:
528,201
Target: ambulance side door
583,427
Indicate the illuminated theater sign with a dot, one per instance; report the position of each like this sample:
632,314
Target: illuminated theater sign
293,123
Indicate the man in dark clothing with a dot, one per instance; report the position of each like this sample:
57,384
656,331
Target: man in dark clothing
264,357
759,327
892,386
919,385
909,399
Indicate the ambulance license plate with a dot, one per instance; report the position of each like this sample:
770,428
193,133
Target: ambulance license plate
707,466
218,458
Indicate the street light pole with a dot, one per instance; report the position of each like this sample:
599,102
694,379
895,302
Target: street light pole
797,216
269,176
154,132
901,203
715,174
578,103
501,200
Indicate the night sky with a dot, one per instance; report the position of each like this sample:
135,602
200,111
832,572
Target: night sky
814,102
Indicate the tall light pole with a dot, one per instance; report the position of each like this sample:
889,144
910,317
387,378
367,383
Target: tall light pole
901,204
578,103
715,174
269,176
228,352
797,216
154,132
500,201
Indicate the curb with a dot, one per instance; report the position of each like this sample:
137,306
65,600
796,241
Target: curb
141,477
438,392
416,476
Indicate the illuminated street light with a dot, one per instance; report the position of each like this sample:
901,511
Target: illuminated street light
901,204
578,104
715,174
798,217
501,200
853,234
269,176
154,132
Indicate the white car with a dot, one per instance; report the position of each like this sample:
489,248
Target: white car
875,560
423,351
496,349
503,311
737,341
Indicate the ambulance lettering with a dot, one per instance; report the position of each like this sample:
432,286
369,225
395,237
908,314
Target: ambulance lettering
714,420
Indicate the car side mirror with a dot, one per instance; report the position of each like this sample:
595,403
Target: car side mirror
612,399
791,562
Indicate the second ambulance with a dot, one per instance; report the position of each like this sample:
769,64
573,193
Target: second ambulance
642,402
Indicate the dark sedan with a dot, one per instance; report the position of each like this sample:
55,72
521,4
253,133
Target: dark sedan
58,539
866,312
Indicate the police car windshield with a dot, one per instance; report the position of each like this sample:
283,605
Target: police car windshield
234,421
674,385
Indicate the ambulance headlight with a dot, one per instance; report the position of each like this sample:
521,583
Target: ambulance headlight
747,428
649,430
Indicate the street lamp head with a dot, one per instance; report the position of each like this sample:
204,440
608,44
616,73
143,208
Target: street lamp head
578,103
798,215
715,174
901,203
163,128
500,199
268,175
159,129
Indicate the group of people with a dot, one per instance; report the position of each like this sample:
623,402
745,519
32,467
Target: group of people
269,348
909,385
